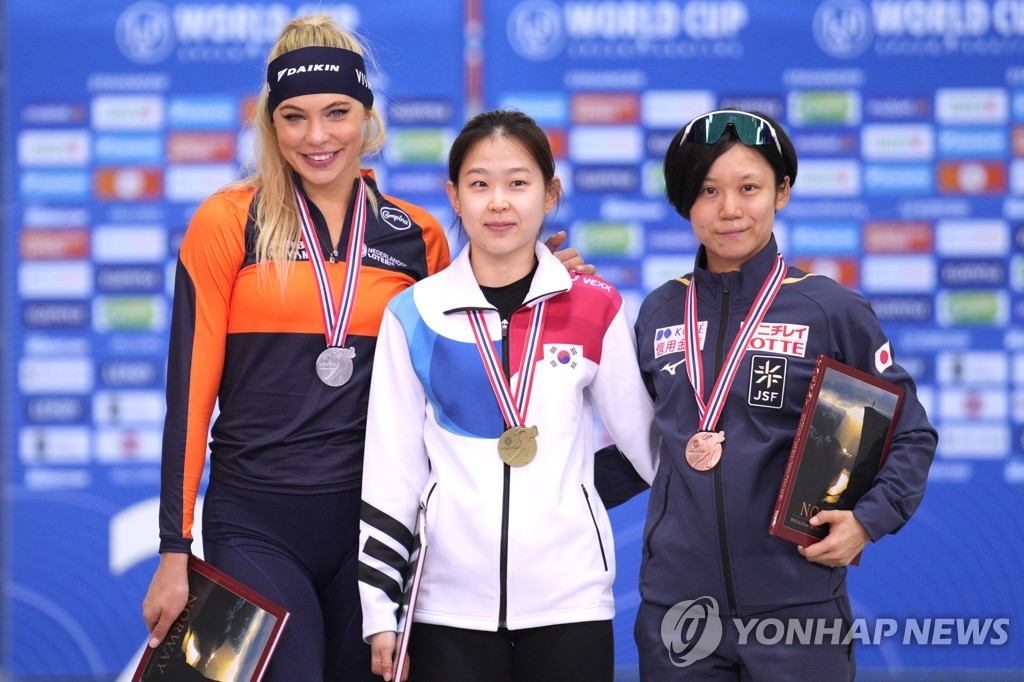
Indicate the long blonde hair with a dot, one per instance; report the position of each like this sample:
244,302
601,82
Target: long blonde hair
276,218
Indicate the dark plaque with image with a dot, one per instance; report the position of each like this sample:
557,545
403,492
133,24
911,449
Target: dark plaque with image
842,439
226,633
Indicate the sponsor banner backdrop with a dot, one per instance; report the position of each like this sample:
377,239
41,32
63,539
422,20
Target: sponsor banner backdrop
134,116
908,117
907,120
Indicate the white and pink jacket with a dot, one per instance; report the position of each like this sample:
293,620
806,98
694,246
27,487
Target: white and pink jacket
514,547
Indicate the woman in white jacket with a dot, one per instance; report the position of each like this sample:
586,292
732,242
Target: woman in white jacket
485,385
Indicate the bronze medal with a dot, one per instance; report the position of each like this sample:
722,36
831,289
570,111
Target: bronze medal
518,445
704,450
334,365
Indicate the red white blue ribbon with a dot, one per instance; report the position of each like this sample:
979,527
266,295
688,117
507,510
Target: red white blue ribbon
710,412
336,317
513,405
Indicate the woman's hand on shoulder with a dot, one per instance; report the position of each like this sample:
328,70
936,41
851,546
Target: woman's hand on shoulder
571,258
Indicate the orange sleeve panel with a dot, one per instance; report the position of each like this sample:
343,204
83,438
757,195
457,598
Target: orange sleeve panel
211,254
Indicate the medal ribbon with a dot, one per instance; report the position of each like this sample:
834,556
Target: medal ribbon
336,319
513,409
710,412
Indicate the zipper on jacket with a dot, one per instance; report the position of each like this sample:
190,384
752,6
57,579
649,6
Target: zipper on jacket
429,495
723,541
593,517
421,530
661,516
506,487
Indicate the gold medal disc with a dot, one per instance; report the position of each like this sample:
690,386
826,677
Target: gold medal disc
518,445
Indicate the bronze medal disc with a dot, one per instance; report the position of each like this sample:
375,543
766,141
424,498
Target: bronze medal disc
704,450
334,365
518,445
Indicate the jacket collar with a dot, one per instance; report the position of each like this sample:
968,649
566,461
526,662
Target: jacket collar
320,223
743,285
462,292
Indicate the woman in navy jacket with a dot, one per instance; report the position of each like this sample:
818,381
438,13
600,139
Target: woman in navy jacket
754,328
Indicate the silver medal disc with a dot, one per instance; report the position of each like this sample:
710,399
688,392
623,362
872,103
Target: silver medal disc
334,365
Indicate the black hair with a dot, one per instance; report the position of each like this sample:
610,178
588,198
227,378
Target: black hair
508,123
687,162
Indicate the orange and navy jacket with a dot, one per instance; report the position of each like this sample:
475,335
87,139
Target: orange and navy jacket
241,343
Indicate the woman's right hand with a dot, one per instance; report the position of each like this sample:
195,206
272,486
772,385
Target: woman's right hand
167,596
382,655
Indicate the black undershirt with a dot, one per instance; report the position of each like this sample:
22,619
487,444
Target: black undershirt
508,298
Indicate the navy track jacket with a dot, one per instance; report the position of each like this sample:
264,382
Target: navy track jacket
707,532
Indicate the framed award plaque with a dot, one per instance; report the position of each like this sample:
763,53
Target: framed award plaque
842,439
226,632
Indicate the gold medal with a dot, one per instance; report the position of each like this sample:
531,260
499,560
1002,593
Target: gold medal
704,450
518,445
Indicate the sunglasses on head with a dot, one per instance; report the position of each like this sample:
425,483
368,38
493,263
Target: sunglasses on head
750,128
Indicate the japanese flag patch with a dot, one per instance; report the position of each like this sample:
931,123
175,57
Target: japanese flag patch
883,357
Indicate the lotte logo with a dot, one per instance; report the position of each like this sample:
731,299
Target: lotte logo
691,630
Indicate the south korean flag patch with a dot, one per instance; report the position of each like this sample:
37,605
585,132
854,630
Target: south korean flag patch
560,355
767,381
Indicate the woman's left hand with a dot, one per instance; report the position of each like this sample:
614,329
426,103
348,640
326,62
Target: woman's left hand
571,258
382,655
845,540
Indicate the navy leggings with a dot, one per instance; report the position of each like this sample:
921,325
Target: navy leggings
300,551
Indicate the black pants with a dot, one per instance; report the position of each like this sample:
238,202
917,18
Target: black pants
556,653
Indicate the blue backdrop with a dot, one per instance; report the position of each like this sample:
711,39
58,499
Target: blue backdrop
908,116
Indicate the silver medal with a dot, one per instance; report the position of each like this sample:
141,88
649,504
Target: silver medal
334,365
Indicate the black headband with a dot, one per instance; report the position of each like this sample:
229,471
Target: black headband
316,70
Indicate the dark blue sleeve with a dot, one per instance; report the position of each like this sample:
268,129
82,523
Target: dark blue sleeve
899,486
615,479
